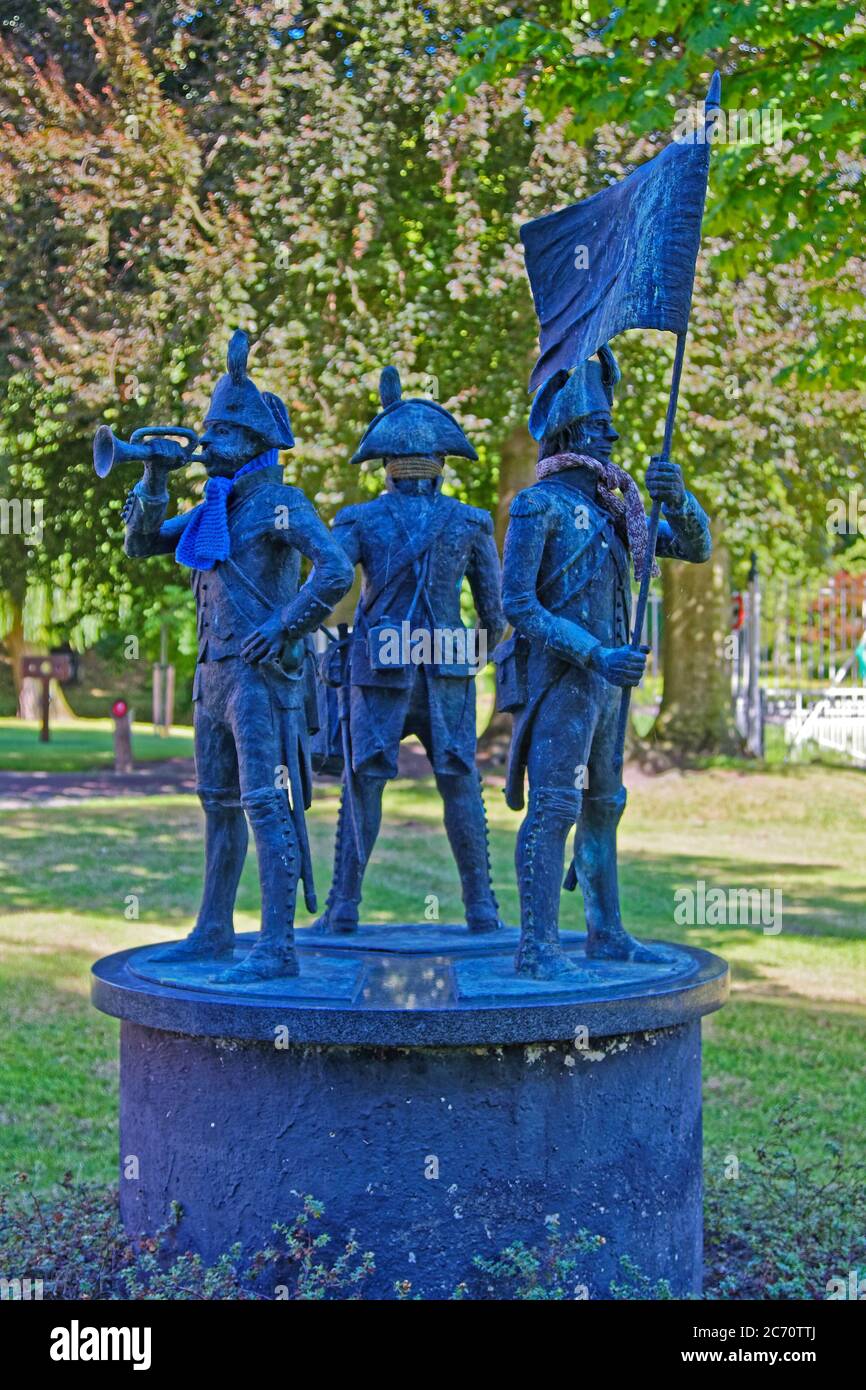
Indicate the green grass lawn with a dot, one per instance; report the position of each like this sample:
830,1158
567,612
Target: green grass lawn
82,746
795,1028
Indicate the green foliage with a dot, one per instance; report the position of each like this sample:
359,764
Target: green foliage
76,1246
770,424
349,187
173,609
782,1230
554,1271
630,66
559,1269
786,1225
167,182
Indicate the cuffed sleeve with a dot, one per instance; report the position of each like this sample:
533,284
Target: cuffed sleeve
147,531
684,532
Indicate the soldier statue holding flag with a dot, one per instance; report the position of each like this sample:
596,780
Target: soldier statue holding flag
573,537
571,541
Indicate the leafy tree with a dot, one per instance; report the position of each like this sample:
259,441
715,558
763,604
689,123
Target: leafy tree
798,199
770,422
116,263
172,174
170,182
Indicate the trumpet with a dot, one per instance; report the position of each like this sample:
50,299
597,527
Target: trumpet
109,450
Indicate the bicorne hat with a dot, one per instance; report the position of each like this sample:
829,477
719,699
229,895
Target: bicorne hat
569,397
410,427
238,401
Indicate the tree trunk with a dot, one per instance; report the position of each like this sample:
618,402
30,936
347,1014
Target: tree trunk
696,714
345,609
60,706
29,691
516,471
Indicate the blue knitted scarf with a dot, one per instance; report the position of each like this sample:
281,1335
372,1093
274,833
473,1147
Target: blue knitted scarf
205,538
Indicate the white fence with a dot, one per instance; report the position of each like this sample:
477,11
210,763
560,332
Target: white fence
835,722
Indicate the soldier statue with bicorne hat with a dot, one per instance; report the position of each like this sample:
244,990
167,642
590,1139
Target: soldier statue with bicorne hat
244,545
571,539
409,664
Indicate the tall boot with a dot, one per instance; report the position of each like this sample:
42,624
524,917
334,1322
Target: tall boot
596,866
277,852
539,861
466,826
344,895
225,849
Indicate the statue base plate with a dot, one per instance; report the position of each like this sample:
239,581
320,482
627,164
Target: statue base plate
394,985
435,1102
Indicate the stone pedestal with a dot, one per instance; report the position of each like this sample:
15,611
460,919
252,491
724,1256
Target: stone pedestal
431,1100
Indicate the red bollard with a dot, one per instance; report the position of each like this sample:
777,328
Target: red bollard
122,737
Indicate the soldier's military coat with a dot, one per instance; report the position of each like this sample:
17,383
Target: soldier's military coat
238,706
397,539
566,589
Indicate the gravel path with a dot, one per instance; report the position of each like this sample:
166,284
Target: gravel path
157,778
46,788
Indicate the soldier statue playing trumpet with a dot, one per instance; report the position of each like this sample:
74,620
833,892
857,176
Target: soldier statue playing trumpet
244,545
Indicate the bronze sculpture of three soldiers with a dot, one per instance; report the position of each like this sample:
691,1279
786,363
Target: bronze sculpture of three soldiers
409,664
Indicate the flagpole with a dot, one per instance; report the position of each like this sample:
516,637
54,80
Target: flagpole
652,536
711,107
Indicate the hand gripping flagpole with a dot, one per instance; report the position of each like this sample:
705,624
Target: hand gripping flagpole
652,537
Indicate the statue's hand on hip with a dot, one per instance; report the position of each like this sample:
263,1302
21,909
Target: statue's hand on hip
266,643
620,666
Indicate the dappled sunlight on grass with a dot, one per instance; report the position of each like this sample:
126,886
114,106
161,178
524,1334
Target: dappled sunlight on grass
795,1025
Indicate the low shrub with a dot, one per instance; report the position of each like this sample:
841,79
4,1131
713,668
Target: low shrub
785,1226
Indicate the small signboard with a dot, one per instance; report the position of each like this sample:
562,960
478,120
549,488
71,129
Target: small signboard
54,666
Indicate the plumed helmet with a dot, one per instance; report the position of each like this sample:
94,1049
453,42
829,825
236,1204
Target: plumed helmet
569,397
238,401
411,426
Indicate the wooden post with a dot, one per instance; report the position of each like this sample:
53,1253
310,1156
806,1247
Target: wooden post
163,688
55,666
122,737
45,704
169,699
756,729
157,697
